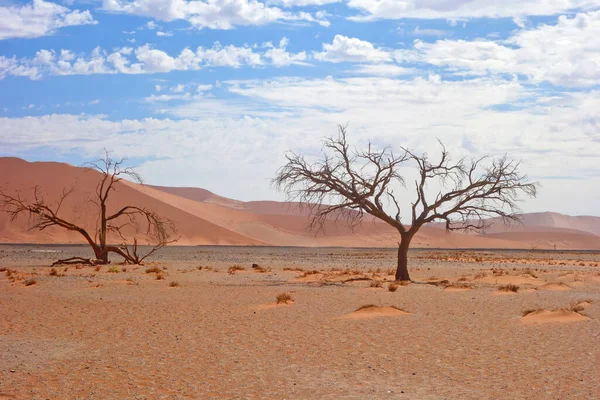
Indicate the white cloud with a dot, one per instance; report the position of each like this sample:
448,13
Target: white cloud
390,70
280,57
345,49
40,18
564,54
213,14
555,136
430,32
144,59
161,33
455,10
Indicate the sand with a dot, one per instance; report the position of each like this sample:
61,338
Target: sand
99,335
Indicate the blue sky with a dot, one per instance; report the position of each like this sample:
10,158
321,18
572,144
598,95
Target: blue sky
212,93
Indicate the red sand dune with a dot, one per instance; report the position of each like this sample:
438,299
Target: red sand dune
203,217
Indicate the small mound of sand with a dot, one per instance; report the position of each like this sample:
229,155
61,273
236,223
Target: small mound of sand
503,293
555,287
543,316
375,312
270,306
457,288
511,280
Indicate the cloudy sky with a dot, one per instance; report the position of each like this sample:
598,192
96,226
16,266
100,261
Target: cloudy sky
211,93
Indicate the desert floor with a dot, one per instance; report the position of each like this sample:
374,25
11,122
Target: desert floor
206,330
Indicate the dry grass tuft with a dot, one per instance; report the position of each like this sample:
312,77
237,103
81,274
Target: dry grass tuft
234,268
98,267
530,272
53,272
160,276
392,287
114,270
283,298
509,288
153,269
376,284
29,282
174,284
307,273
530,311
294,269
480,275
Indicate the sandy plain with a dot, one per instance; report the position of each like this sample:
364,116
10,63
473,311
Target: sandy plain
87,334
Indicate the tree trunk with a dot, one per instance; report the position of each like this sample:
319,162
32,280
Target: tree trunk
402,267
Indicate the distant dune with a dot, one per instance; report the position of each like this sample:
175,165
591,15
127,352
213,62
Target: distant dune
203,217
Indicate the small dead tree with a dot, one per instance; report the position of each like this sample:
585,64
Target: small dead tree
346,184
159,230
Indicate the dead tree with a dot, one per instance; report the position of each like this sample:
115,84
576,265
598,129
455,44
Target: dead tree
347,184
157,229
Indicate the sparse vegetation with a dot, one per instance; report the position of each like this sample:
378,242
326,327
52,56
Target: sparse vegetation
53,272
153,270
235,268
530,311
114,270
295,269
30,282
392,287
160,276
174,284
376,284
284,298
509,288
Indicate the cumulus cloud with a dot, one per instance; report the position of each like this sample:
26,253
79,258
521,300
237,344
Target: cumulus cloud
212,14
40,18
144,60
564,54
345,49
460,9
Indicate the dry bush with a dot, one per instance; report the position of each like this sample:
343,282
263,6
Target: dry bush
480,275
114,270
391,271
234,268
463,279
529,271
261,270
97,269
376,284
509,288
53,272
365,306
160,276
29,282
283,298
153,269
2,269
78,266
174,284
307,273
530,310
124,269
392,287
294,269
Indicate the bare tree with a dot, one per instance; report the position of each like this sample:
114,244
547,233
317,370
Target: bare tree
346,184
129,218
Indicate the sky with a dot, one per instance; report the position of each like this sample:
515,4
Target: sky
212,93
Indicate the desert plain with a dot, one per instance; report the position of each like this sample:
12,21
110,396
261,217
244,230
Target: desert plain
199,322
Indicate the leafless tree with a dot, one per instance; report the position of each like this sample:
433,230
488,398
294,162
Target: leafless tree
347,184
159,230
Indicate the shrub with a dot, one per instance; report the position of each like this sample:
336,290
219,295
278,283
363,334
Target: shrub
529,311
283,298
376,284
153,269
114,270
160,276
174,284
30,281
53,272
234,268
509,288
98,267
392,287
